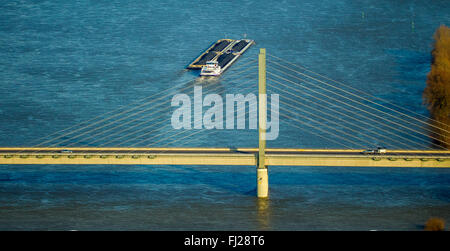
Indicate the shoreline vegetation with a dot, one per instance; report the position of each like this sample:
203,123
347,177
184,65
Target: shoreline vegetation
437,92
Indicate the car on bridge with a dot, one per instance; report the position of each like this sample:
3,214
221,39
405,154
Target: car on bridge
379,150
66,151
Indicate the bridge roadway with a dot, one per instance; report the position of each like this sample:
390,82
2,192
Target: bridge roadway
223,156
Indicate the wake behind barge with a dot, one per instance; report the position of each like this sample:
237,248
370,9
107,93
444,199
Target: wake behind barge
221,55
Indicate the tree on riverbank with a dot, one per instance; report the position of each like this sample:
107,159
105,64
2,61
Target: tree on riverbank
437,92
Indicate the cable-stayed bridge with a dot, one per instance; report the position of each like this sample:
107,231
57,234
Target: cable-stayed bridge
351,120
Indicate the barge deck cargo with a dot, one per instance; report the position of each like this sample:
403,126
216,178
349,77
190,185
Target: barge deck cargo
225,52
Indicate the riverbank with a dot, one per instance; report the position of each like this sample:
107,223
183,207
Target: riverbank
437,92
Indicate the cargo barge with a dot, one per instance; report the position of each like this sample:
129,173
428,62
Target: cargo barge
219,56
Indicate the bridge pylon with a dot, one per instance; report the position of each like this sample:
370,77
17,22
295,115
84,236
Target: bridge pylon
262,175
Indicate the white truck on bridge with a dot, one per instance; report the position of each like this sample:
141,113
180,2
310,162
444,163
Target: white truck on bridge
379,150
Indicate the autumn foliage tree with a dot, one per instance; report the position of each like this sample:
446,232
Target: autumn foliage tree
437,92
435,224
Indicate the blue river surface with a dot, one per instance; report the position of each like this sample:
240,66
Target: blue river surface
65,64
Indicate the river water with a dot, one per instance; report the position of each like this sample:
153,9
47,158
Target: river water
65,62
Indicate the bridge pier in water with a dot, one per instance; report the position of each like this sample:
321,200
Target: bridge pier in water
262,175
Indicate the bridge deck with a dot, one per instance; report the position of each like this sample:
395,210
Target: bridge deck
223,156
